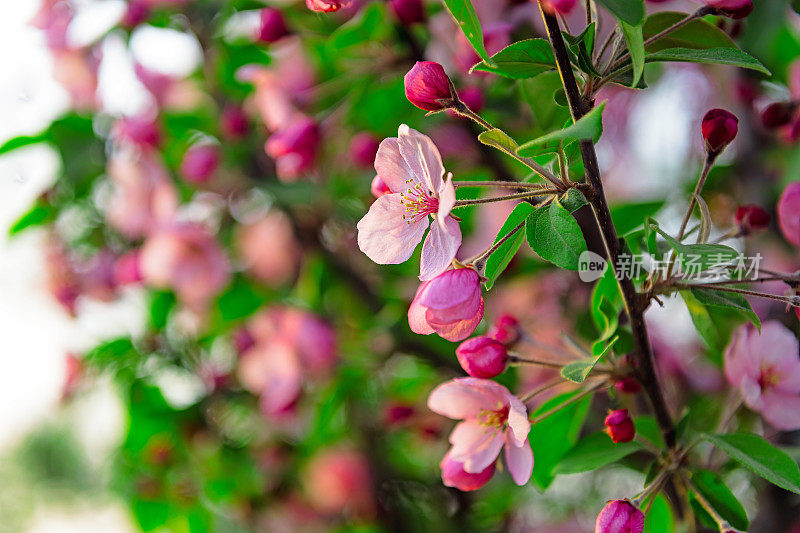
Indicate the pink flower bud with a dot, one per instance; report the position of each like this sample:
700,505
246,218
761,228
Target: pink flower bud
450,305
619,426
378,187
505,329
339,480
272,27
735,9
326,6
243,340
777,114
558,6
408,11
751,219
137,12
619,516
294,148
428,87
627,386
200,163
234,123
396,414
719,129
140,131
127,270
482,357
789,213
363,148
454,475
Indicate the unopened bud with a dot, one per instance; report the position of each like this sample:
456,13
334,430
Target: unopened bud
200,163
482,357
272,25
428,87
619,516
719,129
751,219
505,330
619,426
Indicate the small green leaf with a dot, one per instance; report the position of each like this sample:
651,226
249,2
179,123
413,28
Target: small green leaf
37,215
698,33
555,235
711,487
588,127
719,56
22,141
628,217
727,299
521,60
593,452
701,318
628,11
578,371
660,518
499,260
572,200
499,139
466,19
761,457
580,49
635,42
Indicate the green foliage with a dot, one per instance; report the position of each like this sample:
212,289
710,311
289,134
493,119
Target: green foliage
698,33
628,11
593,452
554,234
589,127
578,371
501,257
521,60
465,17
718,56
711,487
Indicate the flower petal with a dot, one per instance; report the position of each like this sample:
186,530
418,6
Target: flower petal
458,331
475,445
518,421
385,236
416,315
519,460
447,199
421,156
461,311
391,167
451,288
462,399
789,213
781,410
439,249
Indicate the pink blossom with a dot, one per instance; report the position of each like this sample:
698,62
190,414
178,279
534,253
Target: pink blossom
559,6
272,27
378,188
789,213
294,148
340,481
450,305
76,71
140,131
493,419
269,249
200,162
273,371
185,258
454,475
136,13
326,6
363,148
766,370
127,270
619,516
144,197
233,122
411,167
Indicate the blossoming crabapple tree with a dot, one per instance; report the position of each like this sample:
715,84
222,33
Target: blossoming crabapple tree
236,200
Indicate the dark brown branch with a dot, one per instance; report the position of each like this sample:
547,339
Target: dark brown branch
635,304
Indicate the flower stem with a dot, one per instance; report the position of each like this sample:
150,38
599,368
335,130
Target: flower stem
493,248
709,162
518,196
499,184
513,358
791,300
567,403
535,392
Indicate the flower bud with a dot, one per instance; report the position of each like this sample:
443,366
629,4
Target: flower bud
719,129
735,9
326,6
482,357
408,11
454,475
379,187
627,386
561,7
127,270
751,219
619,426
363,148
777,114
272,25
397,413
140,131
505,330
619,516
428,87
234,123
137,12
200,163
243,340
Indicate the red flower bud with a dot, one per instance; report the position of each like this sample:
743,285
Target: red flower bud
735,9
408,11
505,330
234,123
719,129
482,357
777,114
379,187
326,6
619,426
751,219
396,414
243,340
454,475
558,6
200,163
619,516
428,87
627,386
272,27
363,148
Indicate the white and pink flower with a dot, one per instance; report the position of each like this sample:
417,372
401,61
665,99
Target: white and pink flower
411,167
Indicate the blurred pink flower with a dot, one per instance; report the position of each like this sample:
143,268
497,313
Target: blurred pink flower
127,270
273,372
493,419
269,249
411,167
186,258
144,196
454,475
76,71
766,370
326,6
339,481
234,123
141,131
63,281
200,163
294,148
272,25
789,213
363,148
450,305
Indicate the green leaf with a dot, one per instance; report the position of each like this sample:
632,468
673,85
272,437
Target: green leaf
521,60
578,371
628,217
660,518
499,139
369,25
22,141
727,299
761,457
711,487
628,11
719,56
466,19
698,33
552,437
500,258
37,215
588,127
239,300
539,94
572,200
635,42
580,49
701,318
697,258
555,235
593,452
